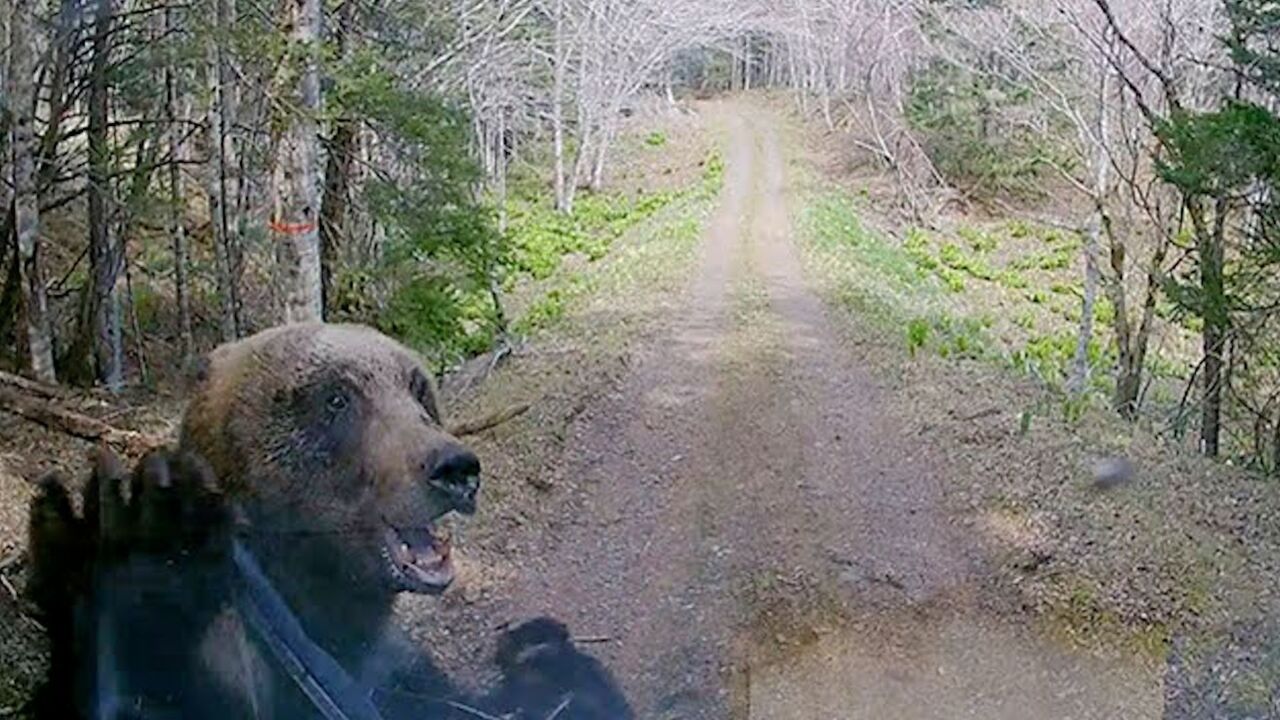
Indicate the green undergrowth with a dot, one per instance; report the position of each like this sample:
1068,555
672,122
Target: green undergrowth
1180,556
903,291
1005,293
664,222
541,262
877,278
541,237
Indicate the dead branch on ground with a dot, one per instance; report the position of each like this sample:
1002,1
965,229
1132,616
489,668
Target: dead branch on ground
488,422
46,413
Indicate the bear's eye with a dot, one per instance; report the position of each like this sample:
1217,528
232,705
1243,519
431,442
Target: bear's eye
337,401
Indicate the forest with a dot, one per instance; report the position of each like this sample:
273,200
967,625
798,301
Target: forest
180,175
1075,195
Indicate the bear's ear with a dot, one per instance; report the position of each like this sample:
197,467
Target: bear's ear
433,401
427,393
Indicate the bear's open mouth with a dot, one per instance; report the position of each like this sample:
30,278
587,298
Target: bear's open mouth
418,558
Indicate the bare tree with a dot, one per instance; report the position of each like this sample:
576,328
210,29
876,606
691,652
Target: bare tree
559,73
1166,58
222,167
623,45
100,345
25,200
177,201
849,64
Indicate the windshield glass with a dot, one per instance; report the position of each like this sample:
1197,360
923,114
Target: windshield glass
393,359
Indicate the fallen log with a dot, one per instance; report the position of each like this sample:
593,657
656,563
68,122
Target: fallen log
31,386
488,422
49,415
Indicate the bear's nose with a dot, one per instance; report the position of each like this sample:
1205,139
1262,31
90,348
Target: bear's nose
454,473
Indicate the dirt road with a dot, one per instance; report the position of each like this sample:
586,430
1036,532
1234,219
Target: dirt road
758,538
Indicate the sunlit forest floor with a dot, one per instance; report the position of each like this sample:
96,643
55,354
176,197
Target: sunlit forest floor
790,457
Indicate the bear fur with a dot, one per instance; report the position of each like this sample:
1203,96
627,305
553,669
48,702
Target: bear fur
316,454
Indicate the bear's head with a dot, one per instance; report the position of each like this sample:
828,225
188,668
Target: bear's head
330,439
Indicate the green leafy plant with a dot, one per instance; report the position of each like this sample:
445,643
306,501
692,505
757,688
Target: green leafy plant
1018,229
953,280
917,335
1012,279
1104,313
1074,407
544,313
442,247
953,257
978,240
916,244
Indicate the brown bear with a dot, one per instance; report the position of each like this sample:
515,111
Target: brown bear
251,572
334,435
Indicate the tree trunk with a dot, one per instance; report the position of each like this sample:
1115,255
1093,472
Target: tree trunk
1275,447
500,171
11,294
25,203
51,415
234,187
827,118
1213,313
500,160
66,41
733,70
1129,367
220,176
6,192
337,177
580,163
1216,321
297,207
1078,381
563,202
100,346
601,156
1211,418
177,204
1131,347
333,208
